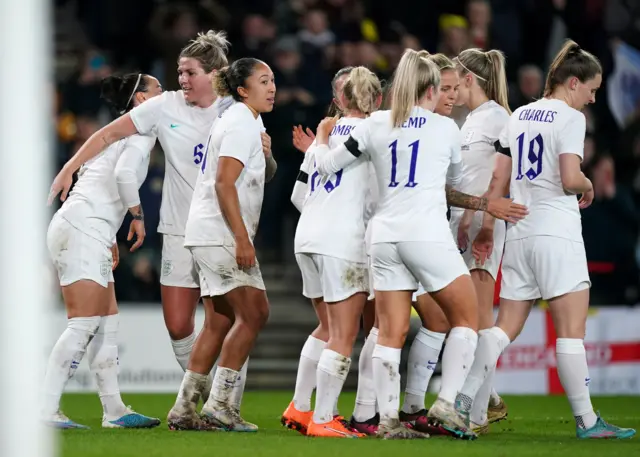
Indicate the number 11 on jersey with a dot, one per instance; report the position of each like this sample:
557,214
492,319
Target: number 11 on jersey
412,165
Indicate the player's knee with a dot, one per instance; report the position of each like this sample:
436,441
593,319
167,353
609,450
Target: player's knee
179,329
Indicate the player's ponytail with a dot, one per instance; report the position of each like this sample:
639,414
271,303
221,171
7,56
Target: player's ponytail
119,91
221,82
411,80
571,61
497,88
489,71
362,90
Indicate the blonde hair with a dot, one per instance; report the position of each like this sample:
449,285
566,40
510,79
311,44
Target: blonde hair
571,61
361,90
411,80
209,49
442,62
489,69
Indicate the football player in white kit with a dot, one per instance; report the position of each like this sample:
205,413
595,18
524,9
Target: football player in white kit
484,92
330,251
181,120
82,244
297,414
411,239
544,257
220,229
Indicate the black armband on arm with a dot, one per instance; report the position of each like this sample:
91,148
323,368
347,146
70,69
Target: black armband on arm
302,177
352,146
501,150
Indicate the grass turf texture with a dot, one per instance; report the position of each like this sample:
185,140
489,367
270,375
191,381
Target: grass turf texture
537,426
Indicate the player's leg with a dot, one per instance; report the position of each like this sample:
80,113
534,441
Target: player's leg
561,266
84,266
195,384
299,412
102,354
365,416
423,358
345,289
394,285
441,270
179,288
519,290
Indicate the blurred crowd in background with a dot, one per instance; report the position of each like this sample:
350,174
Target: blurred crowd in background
306,41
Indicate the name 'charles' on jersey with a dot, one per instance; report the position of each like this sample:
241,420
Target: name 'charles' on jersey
235,134
536,135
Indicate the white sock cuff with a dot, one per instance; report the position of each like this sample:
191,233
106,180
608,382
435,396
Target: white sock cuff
465,333
500,334
387,353
334,363
313,348
570,346
184,343
85,324
373,331
431,339
195,376
109,324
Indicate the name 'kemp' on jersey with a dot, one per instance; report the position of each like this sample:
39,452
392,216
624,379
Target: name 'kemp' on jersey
536,135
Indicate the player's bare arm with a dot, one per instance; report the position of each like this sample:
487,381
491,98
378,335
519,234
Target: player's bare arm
461,200
137,227
271,165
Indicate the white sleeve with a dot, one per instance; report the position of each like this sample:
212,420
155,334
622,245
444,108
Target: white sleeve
454,173
146,116
502,144
126,177
239,141
298,196
330,162
571,137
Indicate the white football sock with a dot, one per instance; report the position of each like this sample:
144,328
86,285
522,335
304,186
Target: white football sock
223,383
333,369
386,376
306,377
423,358
456,361
65,357
481,401
191,390
365,407
182,350
495,398
103,361
491,344
574,376
238,388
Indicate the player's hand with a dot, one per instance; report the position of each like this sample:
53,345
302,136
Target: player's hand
115,255
61,185
463,230
136,228
586,198
245,254
505,209
482,246
302,139
266,144
324,129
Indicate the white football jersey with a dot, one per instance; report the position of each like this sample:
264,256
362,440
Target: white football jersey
411,164
479,133
332,222
235,134
94,206
182,130
536,135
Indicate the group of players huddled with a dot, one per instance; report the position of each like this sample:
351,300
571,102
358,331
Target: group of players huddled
372,241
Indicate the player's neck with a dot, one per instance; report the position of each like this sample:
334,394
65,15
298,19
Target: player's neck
561,94
206,102
354,113
476,100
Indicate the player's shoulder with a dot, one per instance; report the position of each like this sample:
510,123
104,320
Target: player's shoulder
238,117
443,123
172,97
143,142
380,117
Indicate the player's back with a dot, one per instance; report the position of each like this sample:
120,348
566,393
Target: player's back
411,164
235,134
538,133
333,218
94,204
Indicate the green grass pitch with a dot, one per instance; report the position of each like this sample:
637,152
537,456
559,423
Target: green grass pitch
537,426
